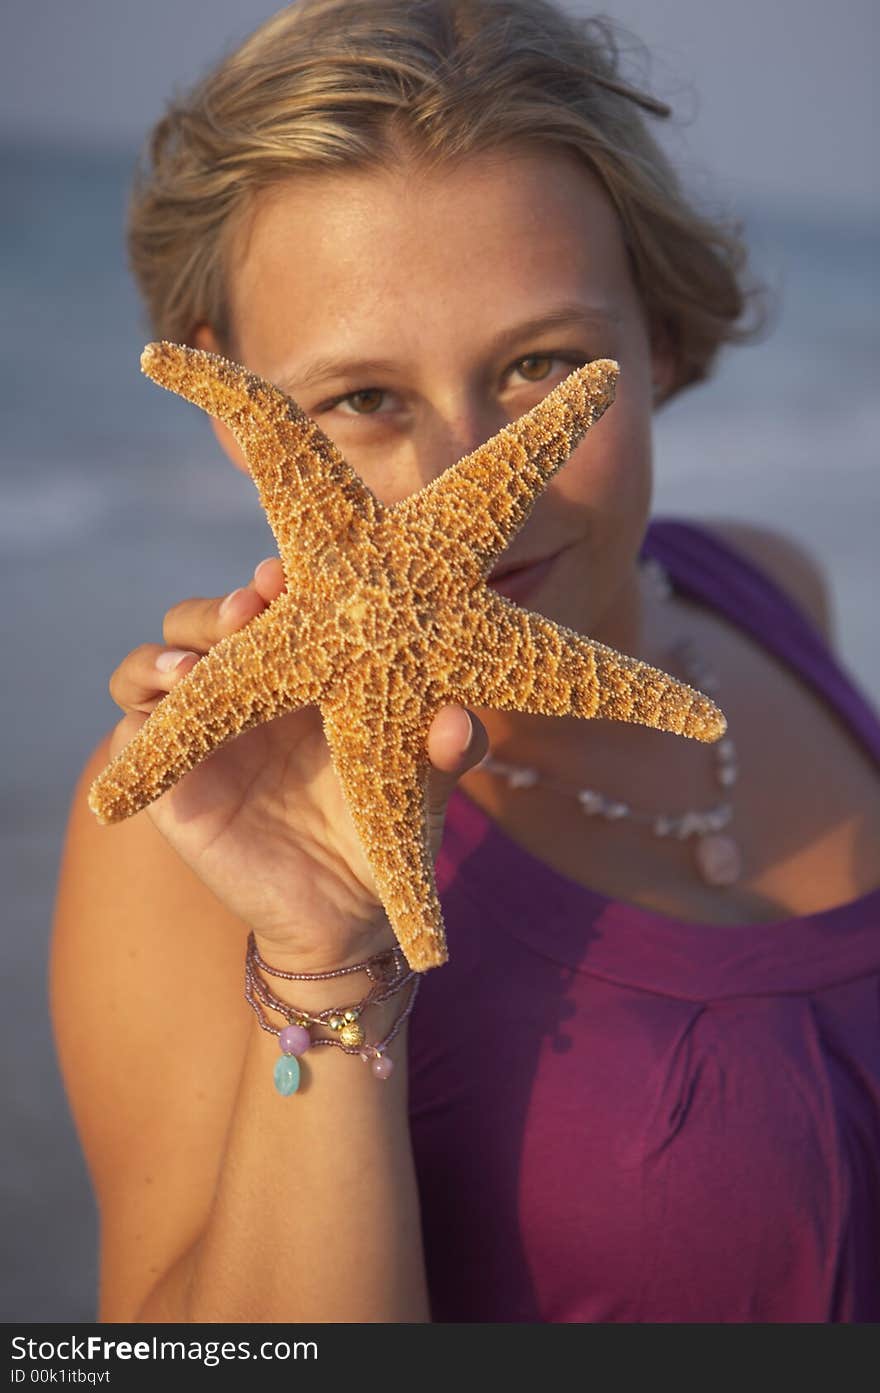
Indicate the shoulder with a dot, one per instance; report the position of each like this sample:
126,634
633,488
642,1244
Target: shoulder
786,561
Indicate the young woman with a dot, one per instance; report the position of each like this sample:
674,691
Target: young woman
646,1087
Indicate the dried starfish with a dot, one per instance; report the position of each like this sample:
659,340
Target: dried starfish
387,617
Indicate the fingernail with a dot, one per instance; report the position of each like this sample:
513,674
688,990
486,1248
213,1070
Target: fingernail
258,569
224,608
170,658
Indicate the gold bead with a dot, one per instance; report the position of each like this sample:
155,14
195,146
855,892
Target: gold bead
336,1022
352,1034
350,1016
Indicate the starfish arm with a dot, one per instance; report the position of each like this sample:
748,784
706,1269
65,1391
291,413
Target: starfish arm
531,664
383,767
311,496
247,678
483,500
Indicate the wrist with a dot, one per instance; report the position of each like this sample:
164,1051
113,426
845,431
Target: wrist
363,1025
312,998
376,1020
360,1007
365,942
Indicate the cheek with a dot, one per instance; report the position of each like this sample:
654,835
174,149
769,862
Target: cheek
610,471
392,474
230,445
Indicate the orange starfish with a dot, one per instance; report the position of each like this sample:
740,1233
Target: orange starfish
386,617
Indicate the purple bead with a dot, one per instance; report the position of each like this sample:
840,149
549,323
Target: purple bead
382,1067
294,1039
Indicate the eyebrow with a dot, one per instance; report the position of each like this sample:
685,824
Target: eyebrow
318,369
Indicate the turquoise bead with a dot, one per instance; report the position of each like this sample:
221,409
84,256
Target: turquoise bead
287,1074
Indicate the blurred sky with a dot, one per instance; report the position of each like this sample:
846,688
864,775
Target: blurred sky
778,97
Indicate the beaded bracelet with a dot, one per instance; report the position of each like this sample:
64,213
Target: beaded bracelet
388,974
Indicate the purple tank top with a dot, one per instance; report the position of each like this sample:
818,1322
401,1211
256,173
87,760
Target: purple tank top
623,1117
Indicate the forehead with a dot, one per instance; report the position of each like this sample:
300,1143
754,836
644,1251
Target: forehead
465,239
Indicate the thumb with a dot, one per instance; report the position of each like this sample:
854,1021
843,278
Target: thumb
457,740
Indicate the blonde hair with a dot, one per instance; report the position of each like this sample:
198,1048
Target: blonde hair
328,84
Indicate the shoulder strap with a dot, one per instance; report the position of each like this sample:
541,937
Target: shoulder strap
711,570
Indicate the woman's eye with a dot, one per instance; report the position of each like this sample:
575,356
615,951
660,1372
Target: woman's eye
536,367
540,367
369,399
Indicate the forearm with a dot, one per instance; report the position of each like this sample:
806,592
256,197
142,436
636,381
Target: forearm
316,1212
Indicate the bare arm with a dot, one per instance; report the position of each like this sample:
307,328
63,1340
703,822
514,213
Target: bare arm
315,1214
219,1199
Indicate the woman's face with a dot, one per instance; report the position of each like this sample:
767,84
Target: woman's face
414,314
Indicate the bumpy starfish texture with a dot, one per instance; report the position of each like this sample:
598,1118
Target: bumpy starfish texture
387,617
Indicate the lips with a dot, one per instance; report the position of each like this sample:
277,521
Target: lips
509,568
517,581
512,570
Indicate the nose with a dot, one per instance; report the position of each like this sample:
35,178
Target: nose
445,436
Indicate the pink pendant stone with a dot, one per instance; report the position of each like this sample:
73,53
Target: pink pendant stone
382,1067
294,1039
719,859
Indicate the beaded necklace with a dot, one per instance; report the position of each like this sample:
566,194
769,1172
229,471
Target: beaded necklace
717,854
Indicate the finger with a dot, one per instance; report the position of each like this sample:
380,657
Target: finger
457,740
198,623
147,673
190,628
269,578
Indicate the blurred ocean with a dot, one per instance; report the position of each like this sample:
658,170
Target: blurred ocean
115,502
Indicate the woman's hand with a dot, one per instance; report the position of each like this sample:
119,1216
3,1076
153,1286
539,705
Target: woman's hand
262,820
